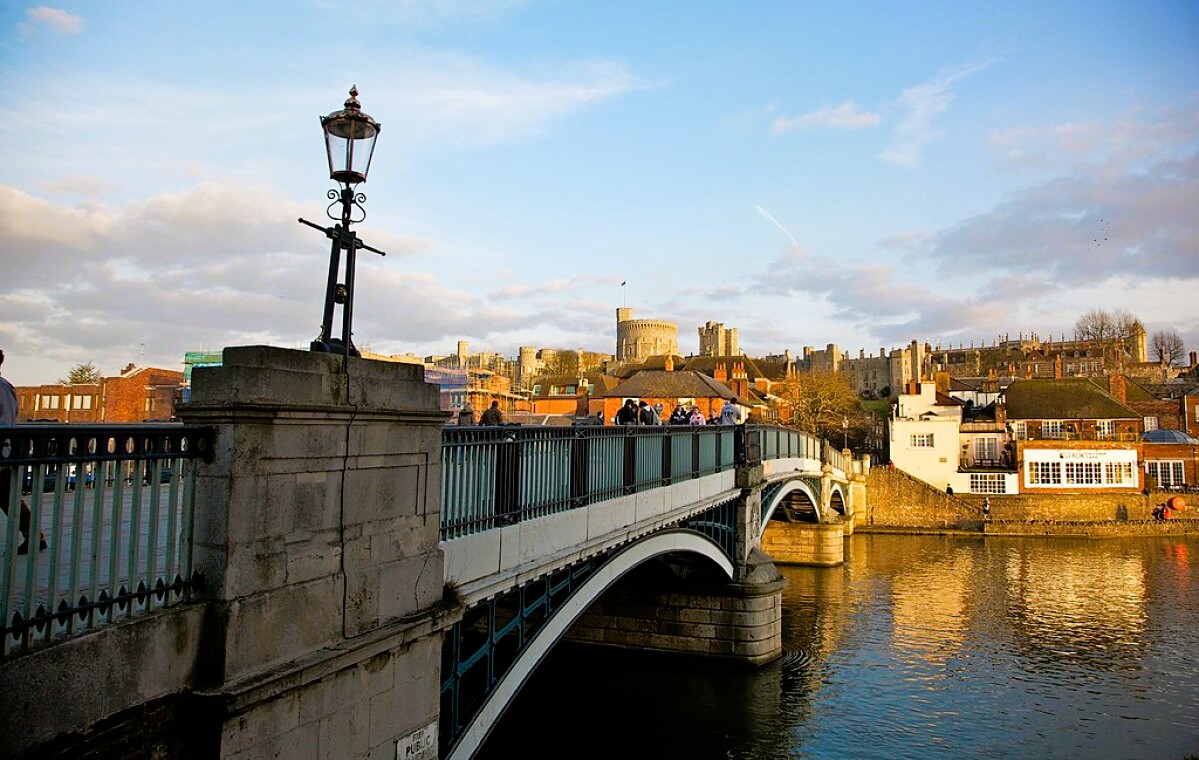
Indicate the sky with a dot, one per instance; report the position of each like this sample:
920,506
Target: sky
863,174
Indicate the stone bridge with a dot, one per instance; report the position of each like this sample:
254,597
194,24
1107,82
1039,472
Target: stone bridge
368,581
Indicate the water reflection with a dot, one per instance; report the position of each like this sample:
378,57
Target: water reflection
918,646
1078,606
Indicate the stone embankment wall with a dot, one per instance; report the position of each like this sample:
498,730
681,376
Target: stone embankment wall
896,499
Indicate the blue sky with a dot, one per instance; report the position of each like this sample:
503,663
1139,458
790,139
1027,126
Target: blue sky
853,173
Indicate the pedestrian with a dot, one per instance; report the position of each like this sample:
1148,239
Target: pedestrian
679,416
8,418
466,416
986,507
697,417
627,414
729,414
646,415
493,416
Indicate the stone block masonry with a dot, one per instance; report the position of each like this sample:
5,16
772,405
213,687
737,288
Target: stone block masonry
800,543
316,631
653,610
319,544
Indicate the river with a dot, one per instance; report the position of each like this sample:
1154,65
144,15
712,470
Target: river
917,647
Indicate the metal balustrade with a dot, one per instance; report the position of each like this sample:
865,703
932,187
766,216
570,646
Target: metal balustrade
97,524
496,476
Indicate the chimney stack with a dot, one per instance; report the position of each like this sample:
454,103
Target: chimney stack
1118,388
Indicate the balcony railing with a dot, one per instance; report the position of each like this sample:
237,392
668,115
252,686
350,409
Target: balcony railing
1078,435
97,524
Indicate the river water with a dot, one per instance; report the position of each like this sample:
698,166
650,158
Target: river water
918,647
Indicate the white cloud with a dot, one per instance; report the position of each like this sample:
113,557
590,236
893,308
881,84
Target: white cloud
920,105
171,273
844,116
457,100
55,18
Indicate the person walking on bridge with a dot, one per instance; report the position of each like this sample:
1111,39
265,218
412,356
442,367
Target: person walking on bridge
493,416
627,414
8,418
730,414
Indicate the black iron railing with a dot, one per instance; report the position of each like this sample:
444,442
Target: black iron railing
97,524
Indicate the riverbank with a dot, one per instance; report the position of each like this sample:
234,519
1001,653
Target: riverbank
1056,528
899,503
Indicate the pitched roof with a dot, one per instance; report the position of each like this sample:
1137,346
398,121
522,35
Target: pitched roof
661,384
650,363
965,384
599,382
1063,399
1134,392
754,368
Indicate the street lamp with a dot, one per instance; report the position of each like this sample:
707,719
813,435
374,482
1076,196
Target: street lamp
349,144
845,431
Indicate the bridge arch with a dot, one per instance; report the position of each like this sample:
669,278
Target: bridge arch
617,566
779,496
837,501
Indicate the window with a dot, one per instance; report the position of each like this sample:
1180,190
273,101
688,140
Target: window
1119,474
986,449
1019,430
1044,473
1051,428
987,482
1084,473
81,402
49,402
1151,423
1167,472
921,441
1106,428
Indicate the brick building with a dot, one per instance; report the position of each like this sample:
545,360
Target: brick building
138,394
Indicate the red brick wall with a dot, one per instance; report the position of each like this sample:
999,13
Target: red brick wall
28,402
125,396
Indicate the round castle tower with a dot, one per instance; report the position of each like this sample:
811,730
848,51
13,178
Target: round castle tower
639,339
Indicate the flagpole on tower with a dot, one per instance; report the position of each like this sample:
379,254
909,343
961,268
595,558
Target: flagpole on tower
624,293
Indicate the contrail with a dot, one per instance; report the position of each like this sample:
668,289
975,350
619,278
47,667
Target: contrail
775,222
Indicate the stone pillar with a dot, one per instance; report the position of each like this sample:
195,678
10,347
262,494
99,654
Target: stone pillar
802,543
826,492
316,532
855,507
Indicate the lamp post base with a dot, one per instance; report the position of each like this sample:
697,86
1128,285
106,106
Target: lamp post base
333,346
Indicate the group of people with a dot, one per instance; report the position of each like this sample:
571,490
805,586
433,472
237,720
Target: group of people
491,417
642,413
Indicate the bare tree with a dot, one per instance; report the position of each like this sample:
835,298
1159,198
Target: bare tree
565,362
1112,332
820,402
1167,347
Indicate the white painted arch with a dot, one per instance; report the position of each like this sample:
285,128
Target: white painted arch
612,570
790,486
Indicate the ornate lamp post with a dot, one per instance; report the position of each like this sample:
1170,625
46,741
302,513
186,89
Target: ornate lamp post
349,142
845,431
